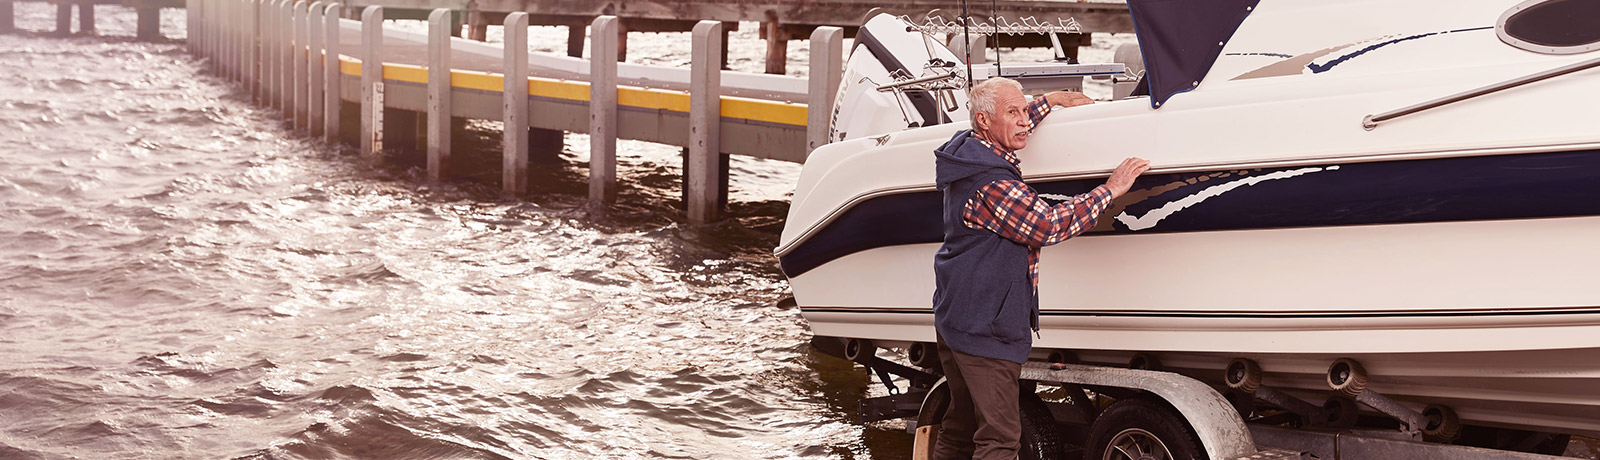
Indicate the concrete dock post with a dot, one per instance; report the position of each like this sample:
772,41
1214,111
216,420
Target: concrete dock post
269,53
219,36
231,37
371,80
63,18
298,56
236,38
332,95
264,62
266,51
702,173
286,57
313,71
440,24
514,139
213,35
827,61
230,16
603,46
190,29
252,77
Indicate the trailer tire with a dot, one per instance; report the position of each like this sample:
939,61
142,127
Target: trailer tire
1041,438
1132,426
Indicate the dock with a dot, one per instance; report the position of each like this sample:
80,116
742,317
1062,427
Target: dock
317,68
338,74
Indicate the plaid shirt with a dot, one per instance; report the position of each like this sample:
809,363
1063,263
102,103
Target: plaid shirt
1014,210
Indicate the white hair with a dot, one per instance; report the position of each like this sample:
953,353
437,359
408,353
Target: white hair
981,98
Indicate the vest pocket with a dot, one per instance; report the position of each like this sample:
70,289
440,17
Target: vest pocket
1012,323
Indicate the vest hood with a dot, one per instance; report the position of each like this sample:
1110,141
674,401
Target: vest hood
965,156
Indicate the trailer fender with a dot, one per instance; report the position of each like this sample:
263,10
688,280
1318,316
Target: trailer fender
1214,420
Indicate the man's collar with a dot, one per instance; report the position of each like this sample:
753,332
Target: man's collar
1008,155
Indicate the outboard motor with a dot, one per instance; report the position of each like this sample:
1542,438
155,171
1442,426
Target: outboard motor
927,76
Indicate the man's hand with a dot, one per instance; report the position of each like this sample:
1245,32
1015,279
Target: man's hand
1122,178
1068,98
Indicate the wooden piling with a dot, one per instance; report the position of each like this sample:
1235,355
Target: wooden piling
332,95
622,42
297,56
314,98
604,43
514,136
477,26
147,24
440,25
8,17
705,119
777,45
86,17
63,18
827,61
575,37
371,80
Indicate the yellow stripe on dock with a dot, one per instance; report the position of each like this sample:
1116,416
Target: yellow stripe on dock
349,66
408,73
559,89
476,80
644,98
759,110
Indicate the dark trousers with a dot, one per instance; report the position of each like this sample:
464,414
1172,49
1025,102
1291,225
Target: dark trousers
983,422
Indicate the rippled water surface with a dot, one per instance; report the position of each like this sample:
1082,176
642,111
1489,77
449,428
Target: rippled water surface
182,277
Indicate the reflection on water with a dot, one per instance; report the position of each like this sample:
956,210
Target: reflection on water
183,278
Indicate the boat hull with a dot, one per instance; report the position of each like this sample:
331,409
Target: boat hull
1496,319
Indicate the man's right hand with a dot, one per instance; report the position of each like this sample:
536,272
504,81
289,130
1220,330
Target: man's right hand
1122,178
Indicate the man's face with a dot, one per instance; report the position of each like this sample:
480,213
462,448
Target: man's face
1009,124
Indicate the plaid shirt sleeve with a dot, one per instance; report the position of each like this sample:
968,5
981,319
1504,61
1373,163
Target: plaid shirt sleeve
1036,112
1013,210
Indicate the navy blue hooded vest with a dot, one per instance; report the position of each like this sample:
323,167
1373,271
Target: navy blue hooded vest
983,299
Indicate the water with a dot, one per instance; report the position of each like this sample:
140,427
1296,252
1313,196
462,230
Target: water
182,277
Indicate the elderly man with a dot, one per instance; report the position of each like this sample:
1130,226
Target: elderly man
986,302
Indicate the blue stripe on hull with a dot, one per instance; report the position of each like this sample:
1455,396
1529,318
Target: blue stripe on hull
1559,184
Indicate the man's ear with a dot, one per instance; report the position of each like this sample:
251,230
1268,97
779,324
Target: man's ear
980,121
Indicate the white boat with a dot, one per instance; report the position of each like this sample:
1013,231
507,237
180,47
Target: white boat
1294,215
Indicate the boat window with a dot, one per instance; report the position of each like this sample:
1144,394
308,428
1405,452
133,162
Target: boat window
1552,26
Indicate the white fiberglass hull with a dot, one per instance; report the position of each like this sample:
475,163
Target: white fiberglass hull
1493,318
1451,252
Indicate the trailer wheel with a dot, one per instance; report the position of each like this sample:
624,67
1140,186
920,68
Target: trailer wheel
1139,429
1041,438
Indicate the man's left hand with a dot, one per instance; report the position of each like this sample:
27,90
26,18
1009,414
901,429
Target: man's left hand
1068,98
